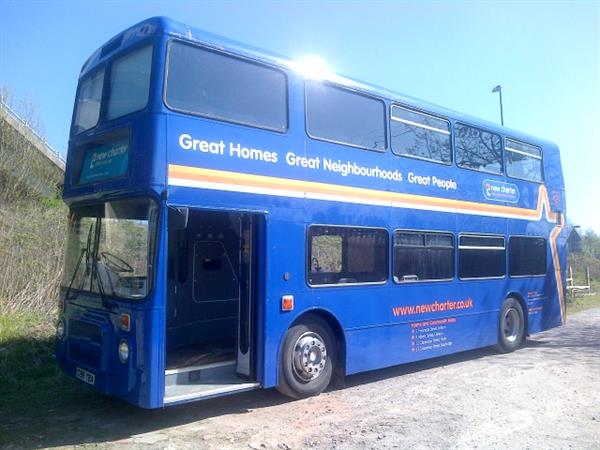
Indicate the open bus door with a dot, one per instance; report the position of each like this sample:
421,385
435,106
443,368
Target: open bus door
211,303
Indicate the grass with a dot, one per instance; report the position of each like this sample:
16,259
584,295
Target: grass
583,302
32,386
25,356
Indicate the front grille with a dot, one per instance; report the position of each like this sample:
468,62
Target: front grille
85,343
87,330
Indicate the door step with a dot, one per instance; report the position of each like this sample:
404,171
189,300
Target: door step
200,373
205,381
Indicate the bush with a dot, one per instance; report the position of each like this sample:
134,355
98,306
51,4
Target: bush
31,254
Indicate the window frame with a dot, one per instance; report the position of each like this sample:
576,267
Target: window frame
352,91
426,113
330,285
540,275
455,148
484,235
541,158
237,57
424,232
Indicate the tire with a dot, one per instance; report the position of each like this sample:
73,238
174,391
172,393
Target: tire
308,372
511,326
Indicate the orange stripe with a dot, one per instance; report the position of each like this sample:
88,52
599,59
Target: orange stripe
242,179
557,272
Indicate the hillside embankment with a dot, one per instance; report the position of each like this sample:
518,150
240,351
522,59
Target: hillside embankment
32,219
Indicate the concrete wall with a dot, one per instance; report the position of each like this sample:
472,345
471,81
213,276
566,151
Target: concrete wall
27,162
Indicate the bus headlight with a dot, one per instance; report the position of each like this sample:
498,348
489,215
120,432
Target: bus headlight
60,329
123,351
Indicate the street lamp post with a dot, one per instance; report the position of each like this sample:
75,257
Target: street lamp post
499,90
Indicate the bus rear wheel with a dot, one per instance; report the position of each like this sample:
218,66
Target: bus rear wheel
308,357
511,326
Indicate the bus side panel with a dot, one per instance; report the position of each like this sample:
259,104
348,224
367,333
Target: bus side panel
154,349
378,347
285,250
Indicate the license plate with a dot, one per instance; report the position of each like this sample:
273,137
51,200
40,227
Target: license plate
85,376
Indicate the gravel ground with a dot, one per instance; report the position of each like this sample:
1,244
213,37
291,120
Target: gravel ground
545,395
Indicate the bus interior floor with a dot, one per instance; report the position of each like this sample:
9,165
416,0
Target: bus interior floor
200,354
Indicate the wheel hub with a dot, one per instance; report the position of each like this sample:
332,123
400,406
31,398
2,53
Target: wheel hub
310,356
511,324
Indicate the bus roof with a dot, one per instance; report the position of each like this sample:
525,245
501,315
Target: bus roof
165,25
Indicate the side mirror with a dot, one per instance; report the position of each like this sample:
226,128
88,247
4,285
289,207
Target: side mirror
178,217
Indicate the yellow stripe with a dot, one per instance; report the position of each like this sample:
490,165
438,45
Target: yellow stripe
287,184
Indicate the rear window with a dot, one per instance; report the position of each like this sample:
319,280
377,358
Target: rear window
89,98
223,87
342,116
523,161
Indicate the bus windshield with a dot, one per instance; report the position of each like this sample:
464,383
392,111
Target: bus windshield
109,249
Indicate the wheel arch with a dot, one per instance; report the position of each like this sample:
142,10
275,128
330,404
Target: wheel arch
337,330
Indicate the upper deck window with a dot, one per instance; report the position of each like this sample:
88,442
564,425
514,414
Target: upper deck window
223,87
343,116
87,111
129,83
420,135
523,161
477,149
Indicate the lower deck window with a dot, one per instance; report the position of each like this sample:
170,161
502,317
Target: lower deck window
420,256
527,256
481,256
346,255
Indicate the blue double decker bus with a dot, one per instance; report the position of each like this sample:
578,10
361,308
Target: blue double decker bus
237,223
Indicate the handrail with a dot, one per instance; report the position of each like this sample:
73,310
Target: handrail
46,148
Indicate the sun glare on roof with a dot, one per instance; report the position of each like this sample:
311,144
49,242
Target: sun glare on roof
313,67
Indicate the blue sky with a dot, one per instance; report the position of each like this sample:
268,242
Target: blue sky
546,55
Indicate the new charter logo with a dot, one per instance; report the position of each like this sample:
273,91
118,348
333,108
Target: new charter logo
500,192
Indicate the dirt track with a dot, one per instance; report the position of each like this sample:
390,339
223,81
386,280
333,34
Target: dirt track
546,395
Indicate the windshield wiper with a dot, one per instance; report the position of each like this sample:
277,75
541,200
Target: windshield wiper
84,251
108,305
70,286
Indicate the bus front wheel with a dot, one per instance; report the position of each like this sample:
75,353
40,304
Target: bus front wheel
308,357
511,326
